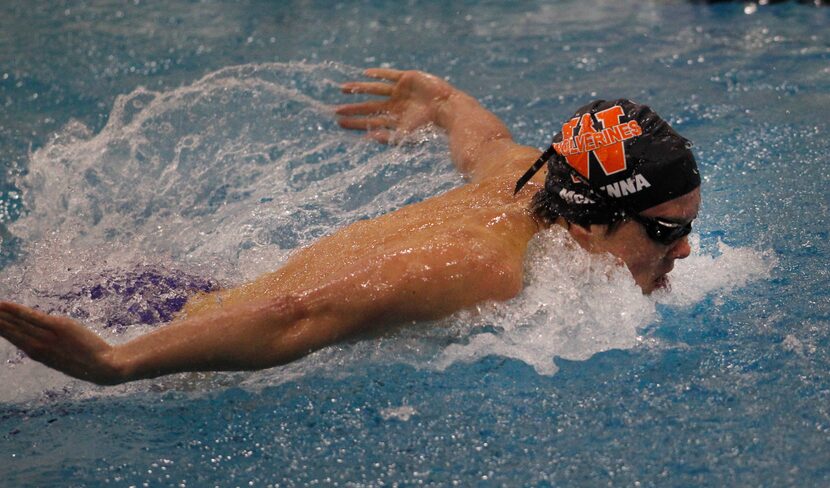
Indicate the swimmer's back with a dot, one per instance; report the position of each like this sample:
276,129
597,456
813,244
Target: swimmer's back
479,221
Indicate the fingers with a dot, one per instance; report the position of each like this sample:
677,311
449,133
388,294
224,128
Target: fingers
25,313
375,88
371,116
368,87
19,325
364,108
382,136
384,73
367,123
13,332
30,340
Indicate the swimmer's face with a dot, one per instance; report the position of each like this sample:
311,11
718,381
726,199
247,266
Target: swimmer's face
648,260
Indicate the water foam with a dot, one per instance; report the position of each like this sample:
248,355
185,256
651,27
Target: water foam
224,177
726,269
575,304
221,179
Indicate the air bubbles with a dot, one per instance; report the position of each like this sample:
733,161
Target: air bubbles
225,177
165,128
575,304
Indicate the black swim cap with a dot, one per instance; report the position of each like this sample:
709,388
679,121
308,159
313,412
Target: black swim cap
610,158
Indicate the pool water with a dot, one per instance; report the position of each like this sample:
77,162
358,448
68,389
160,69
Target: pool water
154,150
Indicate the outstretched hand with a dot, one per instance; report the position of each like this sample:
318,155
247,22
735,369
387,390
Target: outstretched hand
411,99
58,342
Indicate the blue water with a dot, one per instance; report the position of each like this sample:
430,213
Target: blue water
197,137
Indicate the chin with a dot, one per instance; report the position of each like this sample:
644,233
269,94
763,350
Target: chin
656,284
662,283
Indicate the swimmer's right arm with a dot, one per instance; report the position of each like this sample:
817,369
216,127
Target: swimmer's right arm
234,339
480,144
248,336
423,284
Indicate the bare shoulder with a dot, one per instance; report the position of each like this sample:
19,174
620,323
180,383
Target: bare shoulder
503,157
427,281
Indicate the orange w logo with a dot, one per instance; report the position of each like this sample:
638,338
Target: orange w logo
606,143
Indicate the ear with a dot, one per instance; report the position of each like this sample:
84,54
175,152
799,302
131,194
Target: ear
586,237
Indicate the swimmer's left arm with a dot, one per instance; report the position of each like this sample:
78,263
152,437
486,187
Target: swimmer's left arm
480,144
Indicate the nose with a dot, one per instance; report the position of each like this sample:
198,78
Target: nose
680,249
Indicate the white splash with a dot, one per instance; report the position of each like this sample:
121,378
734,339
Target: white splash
728,269
224,177
576,304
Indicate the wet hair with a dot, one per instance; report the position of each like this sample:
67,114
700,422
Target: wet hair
543,209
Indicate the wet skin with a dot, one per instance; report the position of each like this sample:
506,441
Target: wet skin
454,250
423,261
648,261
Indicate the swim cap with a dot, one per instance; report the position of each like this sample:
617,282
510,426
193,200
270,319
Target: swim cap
610,158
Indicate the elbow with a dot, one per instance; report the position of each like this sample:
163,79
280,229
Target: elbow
271,324
297,326
288,308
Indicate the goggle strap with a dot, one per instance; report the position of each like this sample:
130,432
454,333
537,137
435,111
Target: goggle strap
618,210
534,169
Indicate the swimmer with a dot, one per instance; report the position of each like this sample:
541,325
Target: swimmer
617,177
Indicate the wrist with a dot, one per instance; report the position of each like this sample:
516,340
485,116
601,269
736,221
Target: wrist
444,109
116,368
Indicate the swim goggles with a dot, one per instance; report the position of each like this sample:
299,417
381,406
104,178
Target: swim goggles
661,231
